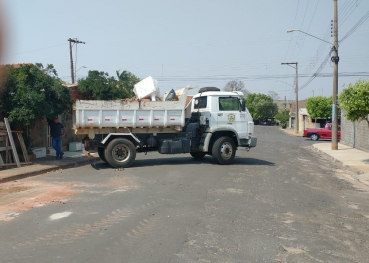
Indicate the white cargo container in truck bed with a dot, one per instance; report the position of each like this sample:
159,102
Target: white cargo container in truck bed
214,123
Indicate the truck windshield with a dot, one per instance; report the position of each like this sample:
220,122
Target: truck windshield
229,104
201,102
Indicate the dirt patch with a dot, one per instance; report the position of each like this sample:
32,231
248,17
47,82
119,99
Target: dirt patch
20,196
23,195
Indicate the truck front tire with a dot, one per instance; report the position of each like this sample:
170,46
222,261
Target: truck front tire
120,153
224,150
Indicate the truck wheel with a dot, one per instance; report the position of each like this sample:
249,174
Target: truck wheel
314,137
198,155
101,152
224,150
120,153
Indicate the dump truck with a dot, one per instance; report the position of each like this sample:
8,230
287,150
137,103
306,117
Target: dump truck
213,122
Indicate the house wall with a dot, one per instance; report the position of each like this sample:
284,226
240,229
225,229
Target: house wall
355,134
39,133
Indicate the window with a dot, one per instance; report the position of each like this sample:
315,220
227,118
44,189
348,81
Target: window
201,102
229,104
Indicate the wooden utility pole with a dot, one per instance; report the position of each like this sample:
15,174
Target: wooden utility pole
296,94
335,59
76,41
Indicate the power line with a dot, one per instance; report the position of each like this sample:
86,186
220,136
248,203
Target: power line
294,22
34,50
356,26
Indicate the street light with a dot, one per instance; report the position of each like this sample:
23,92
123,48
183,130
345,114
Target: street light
80,68
335,59
75,73
293,30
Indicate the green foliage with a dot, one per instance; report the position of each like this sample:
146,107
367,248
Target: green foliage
283,116
354,100
98,85
30,92
126,82
319,107
261,106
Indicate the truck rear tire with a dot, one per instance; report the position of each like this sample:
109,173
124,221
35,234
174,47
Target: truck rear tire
224,150
198,155
120,153
101,152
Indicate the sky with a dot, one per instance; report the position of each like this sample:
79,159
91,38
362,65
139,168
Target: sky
194,42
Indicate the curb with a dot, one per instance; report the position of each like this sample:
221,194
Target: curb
359,176
46,170
351,168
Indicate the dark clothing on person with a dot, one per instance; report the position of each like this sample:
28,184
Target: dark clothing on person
55,129
56,133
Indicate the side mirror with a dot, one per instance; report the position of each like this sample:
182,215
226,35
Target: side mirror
243,105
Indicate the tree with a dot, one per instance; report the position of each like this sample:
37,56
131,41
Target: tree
354,100
273,95
126,82
236,86
98,85
261,106
30,92
319,107
283,116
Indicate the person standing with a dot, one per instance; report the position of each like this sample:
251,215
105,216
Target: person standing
57,133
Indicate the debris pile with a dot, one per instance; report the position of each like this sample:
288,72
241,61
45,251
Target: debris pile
147,90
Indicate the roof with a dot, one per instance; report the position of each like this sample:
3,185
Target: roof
216,93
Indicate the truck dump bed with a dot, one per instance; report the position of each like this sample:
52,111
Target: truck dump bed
130,114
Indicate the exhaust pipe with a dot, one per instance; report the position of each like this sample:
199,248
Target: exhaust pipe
247,149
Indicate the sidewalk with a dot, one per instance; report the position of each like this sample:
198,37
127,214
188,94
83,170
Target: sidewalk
352,158
46,164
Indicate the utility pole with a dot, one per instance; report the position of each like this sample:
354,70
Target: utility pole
296,93
335,59
76,41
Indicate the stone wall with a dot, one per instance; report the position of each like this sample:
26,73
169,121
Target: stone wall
355,134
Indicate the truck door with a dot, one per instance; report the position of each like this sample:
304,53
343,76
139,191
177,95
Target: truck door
230,114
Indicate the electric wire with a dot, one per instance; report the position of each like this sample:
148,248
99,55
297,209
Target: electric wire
325,61
356,26
302,23
34,50
311,21
294,22
343,19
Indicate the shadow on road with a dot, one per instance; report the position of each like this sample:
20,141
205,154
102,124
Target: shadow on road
183,161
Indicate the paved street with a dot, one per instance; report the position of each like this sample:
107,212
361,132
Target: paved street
280,202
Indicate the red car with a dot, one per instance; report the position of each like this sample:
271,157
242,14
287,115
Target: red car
321,133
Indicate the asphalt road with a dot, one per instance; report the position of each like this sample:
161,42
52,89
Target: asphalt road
280,202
